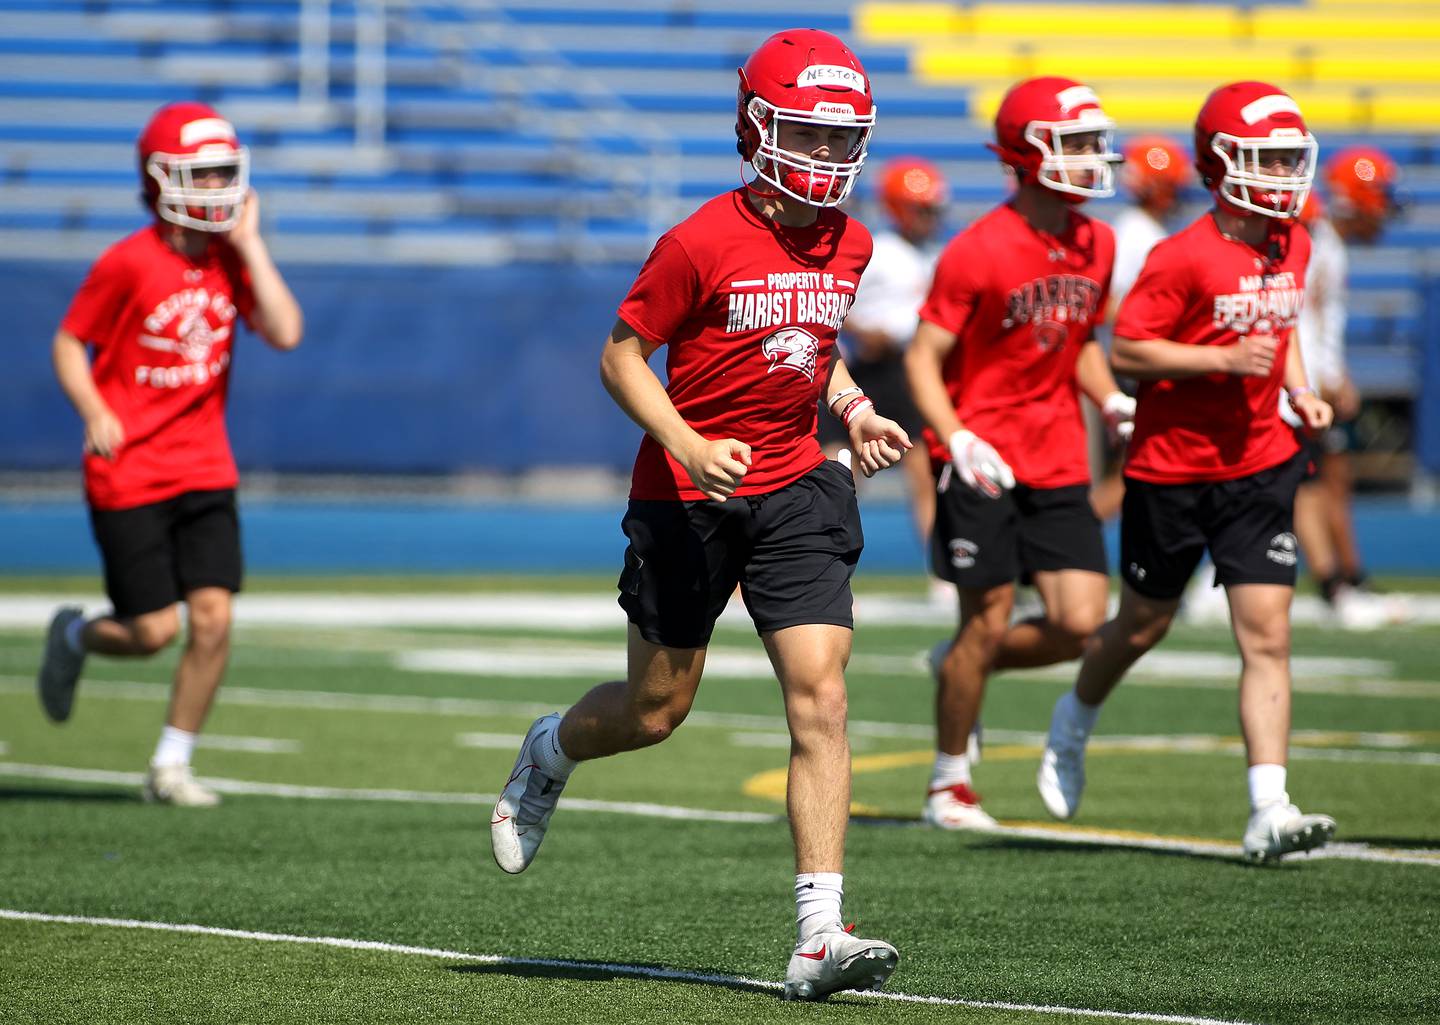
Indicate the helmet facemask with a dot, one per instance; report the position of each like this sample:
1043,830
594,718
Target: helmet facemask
819,183
1059,167
1247,184
182,198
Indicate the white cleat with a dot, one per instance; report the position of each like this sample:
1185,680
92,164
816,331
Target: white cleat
975,743
523,812
1061,779
60,666
1280,828
956,807
834,960
176,784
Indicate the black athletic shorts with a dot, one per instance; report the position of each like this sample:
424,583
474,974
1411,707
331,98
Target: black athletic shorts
792,551
1247,523
886,385
980,542
156,554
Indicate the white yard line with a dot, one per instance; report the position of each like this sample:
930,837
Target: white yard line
1062,834
249,745
556,613
620,970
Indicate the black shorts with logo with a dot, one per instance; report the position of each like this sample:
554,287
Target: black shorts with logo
792,551
156,554
982,542
1248,524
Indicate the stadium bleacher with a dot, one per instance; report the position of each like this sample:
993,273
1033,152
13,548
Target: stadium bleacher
556,130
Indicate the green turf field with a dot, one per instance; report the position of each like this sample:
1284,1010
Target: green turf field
357,763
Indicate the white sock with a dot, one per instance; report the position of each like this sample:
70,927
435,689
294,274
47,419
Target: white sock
949,770
817,902
1081,715
73,631
174,747
1267,785
551,758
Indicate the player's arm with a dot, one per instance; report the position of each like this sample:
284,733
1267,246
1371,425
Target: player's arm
104,434
276,316
977,462
1156,359
877,440
1314,412
1092,374
715,467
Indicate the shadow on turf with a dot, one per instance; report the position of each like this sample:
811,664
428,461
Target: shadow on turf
110,796
1399,843
580,973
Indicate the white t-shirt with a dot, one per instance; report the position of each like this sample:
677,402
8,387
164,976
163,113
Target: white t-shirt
1321,326
893,288
1136,233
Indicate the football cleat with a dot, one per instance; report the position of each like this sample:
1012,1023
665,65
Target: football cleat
1279,828
975,743
175,784
1061,779
60,667
832,960
956,807
523,812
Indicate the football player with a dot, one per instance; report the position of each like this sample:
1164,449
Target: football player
1208,330
1004,348
730,485
158,311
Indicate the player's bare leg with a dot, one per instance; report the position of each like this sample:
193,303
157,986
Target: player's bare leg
1260,616
810,664
642,710
197,679
960,677
202,664
622,715
1139,625
1074,609
1312,529
920,483
133,636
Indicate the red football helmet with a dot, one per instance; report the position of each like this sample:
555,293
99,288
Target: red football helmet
911,188
1156,169
1246,129
807,77
1361,180
1033,124
194,170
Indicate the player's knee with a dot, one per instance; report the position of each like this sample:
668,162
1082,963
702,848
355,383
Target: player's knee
1149,629
155,631
984,634
1267,645
656,724
818,709
1074,629
210,624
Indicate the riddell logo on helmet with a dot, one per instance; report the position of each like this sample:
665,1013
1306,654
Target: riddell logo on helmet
831,75
839,109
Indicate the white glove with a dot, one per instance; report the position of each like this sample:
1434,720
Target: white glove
979,465
1287,411
1119,413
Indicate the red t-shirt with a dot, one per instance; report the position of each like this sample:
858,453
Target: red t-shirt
749,309
161,326
1021,303
1200,288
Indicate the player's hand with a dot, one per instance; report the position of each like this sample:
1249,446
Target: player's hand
1119,413
717,467
1314,412
247,228
979,465
1253,355
104,435
878,441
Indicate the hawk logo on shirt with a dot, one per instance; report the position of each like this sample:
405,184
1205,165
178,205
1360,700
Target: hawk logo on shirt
793,348
186,315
